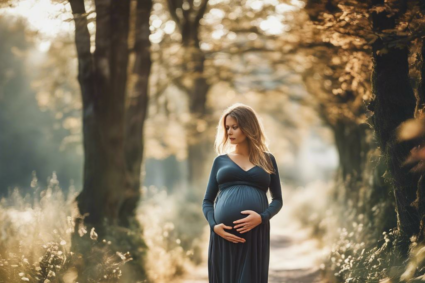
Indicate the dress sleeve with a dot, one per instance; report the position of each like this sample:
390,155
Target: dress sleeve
210,195
276,194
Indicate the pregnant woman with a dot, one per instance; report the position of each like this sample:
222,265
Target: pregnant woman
235,202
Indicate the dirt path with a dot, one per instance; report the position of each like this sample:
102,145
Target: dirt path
294,258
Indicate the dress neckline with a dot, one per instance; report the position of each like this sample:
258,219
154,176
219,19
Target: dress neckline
239,166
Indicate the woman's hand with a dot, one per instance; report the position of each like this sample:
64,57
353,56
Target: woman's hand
248,223
219,230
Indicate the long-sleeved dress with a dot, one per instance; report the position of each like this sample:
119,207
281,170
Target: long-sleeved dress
231,190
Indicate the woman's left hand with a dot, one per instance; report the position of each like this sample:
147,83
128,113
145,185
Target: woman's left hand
248,223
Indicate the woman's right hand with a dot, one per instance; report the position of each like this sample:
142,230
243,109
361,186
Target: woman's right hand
219,230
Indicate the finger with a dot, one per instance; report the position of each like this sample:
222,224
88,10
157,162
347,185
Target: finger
244,229
241,225
239,239
231,235
235,238
232,240
236,241
240,221
227,227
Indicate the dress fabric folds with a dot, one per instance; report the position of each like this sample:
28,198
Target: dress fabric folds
231,190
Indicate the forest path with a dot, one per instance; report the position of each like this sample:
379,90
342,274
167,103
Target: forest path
295,257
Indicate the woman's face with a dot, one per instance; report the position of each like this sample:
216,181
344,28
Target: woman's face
233,130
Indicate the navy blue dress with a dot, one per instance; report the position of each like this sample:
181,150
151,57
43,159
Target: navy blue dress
231,190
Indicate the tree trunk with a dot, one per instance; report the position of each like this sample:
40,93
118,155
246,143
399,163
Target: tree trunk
350,140
420,197
198,144
393,104
137,110
113,135
103,78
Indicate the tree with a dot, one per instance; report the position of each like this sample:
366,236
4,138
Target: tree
391,32
113,124
394,103
187,16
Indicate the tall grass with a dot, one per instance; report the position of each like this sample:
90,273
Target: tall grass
35,238
36,228
174,230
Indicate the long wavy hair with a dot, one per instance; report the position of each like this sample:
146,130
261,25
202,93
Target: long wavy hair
251,126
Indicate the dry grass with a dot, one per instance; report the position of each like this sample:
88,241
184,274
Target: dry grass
35,239
173,228
35,236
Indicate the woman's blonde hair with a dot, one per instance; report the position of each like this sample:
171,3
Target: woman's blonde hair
250,125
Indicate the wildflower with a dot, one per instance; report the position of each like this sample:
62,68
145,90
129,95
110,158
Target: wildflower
93,234
51,274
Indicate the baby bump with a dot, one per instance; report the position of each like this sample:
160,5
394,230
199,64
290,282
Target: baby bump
235,199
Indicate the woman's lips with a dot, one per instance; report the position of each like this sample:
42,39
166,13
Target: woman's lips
232,138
